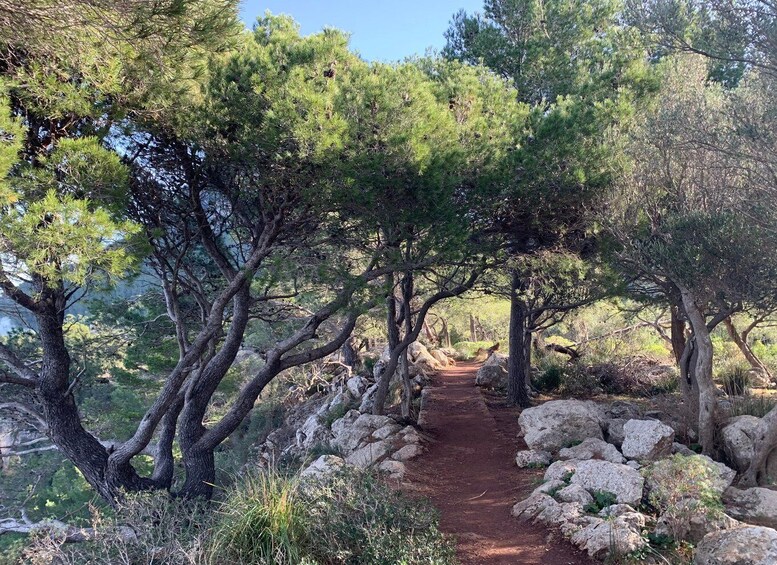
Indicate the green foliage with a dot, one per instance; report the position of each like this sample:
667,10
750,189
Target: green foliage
551,374
344,518
468,349
262,522
682,477
752,405
736,382
602,499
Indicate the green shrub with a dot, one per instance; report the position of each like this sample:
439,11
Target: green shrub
735,381
752,405
551,373
346,518
682,486
602,499
467,349
262,522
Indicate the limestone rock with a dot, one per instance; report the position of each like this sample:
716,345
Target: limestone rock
531,507
614,431
593,448
605,538
690,521
561,470
368,399
750,545
647,440
386,431
354,429
370,454
441,358
621,480
531,458
574,493
756,506
550,487
324,465
408,452
559,423
357,386
493,372
394,469
738,439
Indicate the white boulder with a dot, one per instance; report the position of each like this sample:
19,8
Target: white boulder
752,545
602,476
738,438
593,448
560,423
493,372
324,465
647,440
756,506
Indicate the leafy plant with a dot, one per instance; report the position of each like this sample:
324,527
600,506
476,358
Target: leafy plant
602,499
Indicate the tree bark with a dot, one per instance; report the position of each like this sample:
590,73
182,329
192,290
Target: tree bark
763,446
702,372
741,343
677,329
519,358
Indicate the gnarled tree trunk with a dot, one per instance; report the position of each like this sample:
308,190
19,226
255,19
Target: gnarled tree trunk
702,372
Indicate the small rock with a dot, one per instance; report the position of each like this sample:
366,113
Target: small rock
608,538
386,431
561,470
394,469
689,520
408,452
614,431
592,448
738,439
370,454
324,465
575,493
531,507
549,487
356,386
532,458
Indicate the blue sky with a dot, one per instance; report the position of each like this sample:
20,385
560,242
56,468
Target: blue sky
383,30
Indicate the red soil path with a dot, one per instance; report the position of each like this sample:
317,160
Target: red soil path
469,474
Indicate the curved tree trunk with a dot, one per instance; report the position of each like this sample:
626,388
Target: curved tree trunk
702,372
677,330
741,343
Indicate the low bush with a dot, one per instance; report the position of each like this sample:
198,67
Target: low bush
681,486
735,381
752,405
346,518
468,349
550,374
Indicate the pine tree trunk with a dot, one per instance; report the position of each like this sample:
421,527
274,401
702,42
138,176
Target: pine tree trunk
517,392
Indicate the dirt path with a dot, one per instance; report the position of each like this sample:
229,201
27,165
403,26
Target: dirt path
469,474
